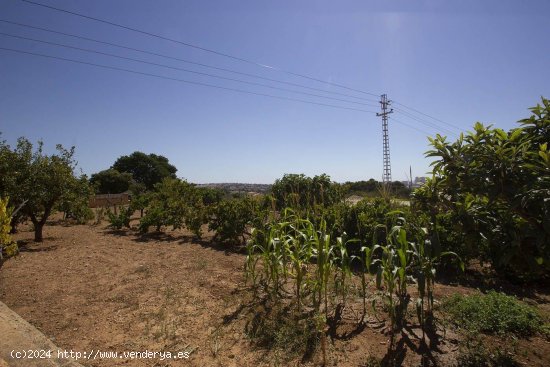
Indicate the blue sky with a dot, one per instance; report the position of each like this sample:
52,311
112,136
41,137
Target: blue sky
459,61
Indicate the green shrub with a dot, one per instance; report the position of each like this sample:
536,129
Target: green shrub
122,219
169,204
230,218
493,313
6,244
496,184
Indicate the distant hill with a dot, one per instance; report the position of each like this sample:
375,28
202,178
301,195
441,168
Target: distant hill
239,187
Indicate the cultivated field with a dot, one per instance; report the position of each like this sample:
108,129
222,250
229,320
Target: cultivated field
91,288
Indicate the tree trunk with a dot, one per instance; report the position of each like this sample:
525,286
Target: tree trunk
13,224
39,224
38,231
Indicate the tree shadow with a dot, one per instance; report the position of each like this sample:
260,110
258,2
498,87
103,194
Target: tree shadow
31,246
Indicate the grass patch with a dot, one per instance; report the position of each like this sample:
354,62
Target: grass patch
493,313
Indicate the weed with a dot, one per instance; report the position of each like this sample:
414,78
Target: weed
493,313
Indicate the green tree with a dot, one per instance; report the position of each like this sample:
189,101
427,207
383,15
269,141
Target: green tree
36,179
232,218
111,181
175,203
497,185
148,169
76,203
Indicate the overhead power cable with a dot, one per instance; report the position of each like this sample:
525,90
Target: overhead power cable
425,114
182,80
197,47
410,126
186,61
201,84
181,69
424,122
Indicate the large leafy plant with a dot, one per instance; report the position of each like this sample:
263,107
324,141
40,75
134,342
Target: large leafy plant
497,185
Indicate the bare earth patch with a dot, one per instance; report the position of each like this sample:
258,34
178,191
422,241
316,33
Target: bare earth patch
90,288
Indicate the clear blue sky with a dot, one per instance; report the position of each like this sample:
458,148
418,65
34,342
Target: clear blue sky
459,61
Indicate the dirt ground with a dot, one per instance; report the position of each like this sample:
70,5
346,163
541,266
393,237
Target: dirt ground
92,289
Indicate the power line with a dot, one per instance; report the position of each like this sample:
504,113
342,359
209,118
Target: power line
410,126
185,61
203,84
183,80
425,114
180,69
196,47
427,123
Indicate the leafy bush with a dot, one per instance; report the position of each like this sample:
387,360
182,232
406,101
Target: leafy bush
6,244
497,186
230,218
168,204
493,313
121,219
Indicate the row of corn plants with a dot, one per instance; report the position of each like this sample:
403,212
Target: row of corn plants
291,258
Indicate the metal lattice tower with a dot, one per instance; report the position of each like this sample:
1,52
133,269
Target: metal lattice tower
386,172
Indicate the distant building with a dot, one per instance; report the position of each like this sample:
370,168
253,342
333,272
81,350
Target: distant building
108,200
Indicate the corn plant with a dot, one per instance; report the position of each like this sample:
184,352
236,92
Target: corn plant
324,254
251,263
393,265
387,273
427,254
343,272
366,259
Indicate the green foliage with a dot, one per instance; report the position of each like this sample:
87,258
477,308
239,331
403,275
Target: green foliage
231,218
493,313
121,218
302,192
148,169
210,196
7,246
38,180
75,204
139,197
172,202
496,186
371,188
111,181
